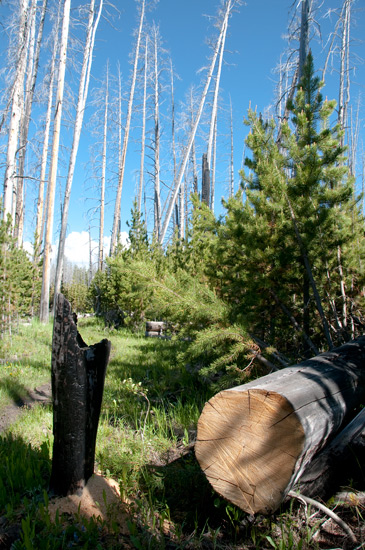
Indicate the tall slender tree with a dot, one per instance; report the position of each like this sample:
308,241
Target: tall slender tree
156,133
92,26
44,304
40,213
116,217
173,196
31,78
17,94
103,173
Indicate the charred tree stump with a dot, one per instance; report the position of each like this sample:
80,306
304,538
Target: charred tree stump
78,374
254,441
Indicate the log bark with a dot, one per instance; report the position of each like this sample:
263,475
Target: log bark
254,441
78,374
341,459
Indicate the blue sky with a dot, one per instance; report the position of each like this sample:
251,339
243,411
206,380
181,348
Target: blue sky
254,43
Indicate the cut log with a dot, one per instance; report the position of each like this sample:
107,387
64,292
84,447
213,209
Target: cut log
78,374
341,459
255,440
155,326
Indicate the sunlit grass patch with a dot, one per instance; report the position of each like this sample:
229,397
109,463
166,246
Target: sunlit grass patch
34,425
25,361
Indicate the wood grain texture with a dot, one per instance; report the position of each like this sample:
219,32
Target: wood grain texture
255,440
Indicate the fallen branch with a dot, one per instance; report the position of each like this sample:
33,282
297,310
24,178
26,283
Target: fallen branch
307,500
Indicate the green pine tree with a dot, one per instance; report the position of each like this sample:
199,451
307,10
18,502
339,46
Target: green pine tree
285,252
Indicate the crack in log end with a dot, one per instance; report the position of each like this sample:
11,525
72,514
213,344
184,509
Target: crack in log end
237,445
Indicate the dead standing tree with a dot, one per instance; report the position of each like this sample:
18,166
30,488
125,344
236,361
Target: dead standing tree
227,12
78,374
116,217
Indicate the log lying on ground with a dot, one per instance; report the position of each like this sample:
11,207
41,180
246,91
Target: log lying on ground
78,374
342,458
155,329
255,440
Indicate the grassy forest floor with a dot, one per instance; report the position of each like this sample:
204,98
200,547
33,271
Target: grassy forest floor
145,446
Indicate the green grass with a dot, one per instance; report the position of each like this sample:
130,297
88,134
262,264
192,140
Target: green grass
25,361
150,409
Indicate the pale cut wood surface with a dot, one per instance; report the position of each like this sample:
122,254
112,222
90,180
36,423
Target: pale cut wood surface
255,440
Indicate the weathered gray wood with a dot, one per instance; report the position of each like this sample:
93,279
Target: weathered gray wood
254,441
205,180
341,459
78,373
155,326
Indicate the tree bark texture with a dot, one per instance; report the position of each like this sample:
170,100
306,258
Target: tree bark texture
255,441
205,180
344,455
78,374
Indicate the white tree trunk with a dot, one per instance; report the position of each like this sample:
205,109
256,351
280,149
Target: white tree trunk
143,136
32,72
16,112
156,175
116,218
231,186
44,306
195,126
213,117
344,90
81,102
103,173
41,215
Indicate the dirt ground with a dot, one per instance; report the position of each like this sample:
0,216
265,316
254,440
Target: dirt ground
8,416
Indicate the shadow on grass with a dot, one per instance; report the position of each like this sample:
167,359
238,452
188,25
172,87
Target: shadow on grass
24,471
183,488
14,390
157,365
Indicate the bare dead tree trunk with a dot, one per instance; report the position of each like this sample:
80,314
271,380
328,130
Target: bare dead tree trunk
16,112
304,36
195,126
143,136
44,305
90,278
32,73
213,172
41,215
214,112
231,186
156,175
103,173
193,154
116,218
81,102
205,180
173,145
344,89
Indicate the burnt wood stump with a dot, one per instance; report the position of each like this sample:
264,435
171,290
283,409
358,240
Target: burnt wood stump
78,375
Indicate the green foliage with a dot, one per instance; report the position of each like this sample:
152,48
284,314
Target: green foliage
22,469
77,292
299,207
19,282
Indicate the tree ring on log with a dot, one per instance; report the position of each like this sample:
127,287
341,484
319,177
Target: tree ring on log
256,432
